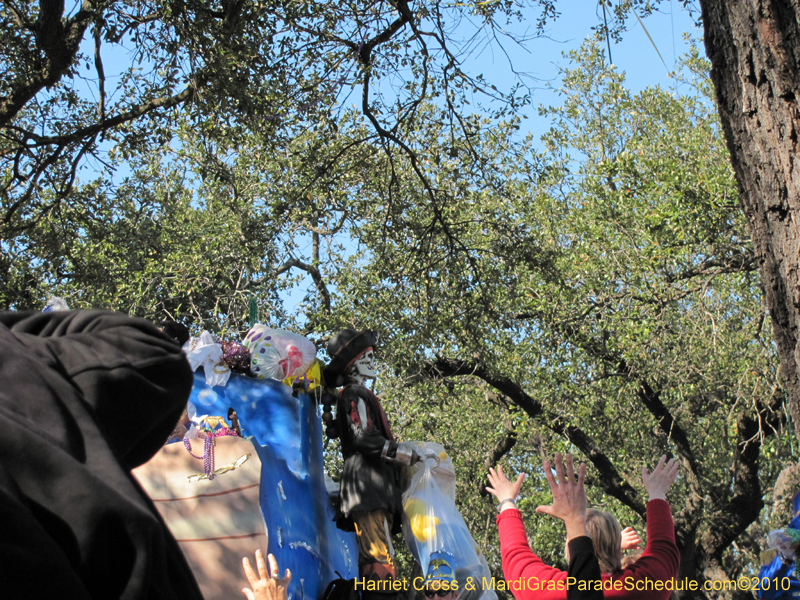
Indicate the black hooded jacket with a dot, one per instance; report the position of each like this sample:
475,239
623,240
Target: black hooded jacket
84,398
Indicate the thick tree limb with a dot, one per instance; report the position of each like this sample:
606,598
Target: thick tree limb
130,115
753,49
733,517
611,481
59,44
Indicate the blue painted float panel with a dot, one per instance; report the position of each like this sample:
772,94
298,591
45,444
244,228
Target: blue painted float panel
287,434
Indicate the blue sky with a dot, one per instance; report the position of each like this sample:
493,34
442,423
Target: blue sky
635,55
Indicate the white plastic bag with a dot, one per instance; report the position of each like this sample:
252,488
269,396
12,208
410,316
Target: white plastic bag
204,350
433,528
785,541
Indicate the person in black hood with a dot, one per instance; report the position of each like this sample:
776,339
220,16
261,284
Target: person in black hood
85,397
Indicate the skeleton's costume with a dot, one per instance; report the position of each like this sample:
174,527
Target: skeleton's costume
371,482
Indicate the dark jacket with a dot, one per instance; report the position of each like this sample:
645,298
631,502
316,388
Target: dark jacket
370,480
84,398
584,571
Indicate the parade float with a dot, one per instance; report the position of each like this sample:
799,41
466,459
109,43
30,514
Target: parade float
244,471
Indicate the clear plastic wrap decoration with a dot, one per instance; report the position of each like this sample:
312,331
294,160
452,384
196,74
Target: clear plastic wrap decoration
312,379
278,354
786,541
432,525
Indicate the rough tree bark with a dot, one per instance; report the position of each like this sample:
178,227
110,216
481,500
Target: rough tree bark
754,48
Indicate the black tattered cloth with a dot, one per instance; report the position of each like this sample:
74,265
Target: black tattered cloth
85,397
368,482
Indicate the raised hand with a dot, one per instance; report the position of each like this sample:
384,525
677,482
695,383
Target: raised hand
267,585
659,481
502,488
630,539
569,496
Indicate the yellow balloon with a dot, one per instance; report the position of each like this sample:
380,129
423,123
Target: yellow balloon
414,507
423,527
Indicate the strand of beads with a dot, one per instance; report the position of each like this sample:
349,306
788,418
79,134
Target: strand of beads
209,448
208,456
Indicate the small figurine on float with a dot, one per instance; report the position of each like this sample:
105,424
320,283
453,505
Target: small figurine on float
372,478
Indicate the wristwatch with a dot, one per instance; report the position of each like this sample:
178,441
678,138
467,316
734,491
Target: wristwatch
502,502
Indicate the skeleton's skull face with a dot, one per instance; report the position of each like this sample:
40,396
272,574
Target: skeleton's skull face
364,365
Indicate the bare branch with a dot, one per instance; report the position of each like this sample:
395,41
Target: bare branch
316,276
318,231
101,76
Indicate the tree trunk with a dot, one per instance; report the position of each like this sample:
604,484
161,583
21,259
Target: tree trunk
754,48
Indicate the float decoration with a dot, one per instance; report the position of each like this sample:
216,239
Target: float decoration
278,354
434,528
268,490
205,351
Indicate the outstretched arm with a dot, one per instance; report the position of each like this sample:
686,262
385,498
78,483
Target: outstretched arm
660,480
661,558
504,490
569,505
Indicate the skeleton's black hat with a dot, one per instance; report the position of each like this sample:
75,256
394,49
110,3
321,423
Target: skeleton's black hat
343,349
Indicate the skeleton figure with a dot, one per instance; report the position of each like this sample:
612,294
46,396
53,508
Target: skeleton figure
370,486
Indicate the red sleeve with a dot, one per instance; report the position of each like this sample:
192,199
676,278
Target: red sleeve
661,559
527,576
